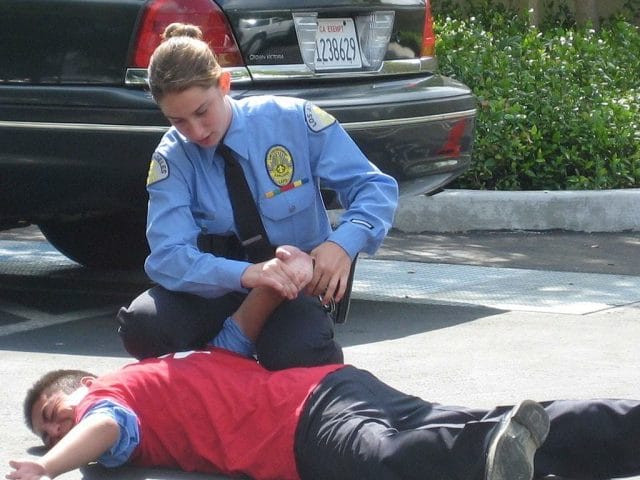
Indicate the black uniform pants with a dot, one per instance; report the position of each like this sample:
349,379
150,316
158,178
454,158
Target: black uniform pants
298,333
355,426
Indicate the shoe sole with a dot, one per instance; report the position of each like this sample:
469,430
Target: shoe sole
513,447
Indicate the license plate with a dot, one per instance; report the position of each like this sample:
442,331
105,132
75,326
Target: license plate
337,44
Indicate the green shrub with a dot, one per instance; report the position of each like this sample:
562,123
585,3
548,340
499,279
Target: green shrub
558,107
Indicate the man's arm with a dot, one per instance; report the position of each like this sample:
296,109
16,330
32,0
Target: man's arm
254,311
262,301
84,443
241,330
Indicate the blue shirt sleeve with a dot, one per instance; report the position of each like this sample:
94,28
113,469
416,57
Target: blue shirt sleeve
129,438
232,338
369,196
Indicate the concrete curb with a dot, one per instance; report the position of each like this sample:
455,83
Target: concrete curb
469,210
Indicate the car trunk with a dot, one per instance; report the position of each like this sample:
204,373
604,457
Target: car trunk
93,42
270,37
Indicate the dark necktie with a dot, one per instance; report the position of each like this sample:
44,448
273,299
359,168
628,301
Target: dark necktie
253,236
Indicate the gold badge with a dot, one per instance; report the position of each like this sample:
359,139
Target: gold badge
158,169
279,165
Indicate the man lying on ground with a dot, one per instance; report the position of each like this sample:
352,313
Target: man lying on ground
218,410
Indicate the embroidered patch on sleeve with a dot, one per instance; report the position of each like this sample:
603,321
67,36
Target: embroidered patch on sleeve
158,169
316,118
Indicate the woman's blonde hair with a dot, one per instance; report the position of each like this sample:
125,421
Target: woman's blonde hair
181,61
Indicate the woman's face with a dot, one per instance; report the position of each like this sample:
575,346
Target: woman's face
201,114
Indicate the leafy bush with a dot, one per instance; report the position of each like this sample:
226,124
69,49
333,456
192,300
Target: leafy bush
558,107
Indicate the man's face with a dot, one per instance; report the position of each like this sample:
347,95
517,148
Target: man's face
52,416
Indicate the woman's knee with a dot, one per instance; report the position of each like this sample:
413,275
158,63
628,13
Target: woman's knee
298,333
160,321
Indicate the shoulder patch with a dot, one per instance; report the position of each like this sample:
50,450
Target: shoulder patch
316,118
158,169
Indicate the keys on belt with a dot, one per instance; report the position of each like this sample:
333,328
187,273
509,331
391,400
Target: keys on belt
339,311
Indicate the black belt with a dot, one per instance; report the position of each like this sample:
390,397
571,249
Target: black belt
223,246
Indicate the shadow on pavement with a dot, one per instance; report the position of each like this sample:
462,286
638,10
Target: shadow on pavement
371,322
88,336
368,322
96,472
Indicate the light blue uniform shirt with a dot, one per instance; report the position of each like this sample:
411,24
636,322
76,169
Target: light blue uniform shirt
288,149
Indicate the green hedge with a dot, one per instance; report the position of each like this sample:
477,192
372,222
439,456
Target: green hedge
558,107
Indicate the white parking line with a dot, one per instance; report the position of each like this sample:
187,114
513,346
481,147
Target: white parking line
38,319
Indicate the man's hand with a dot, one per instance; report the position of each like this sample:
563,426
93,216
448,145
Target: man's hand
26,470
287,273
83,444
330,272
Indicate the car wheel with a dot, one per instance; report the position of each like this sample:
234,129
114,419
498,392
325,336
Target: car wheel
104,242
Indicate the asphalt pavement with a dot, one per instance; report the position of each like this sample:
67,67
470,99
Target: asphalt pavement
466,316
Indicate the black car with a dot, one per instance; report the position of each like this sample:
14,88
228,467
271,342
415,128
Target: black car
78,126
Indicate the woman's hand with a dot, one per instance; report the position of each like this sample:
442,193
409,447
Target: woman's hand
330,272
288,273
26,470
300,264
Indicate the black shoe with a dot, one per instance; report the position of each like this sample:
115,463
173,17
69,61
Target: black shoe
514,444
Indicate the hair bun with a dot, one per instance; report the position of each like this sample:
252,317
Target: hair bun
182,30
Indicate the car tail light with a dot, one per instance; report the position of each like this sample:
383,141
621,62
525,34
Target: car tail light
428,36
203,13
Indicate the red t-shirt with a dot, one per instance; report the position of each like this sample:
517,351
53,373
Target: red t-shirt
212,411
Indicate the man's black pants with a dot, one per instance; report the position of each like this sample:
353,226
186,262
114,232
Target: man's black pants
355,426
298,333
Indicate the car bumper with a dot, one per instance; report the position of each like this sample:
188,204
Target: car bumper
71,150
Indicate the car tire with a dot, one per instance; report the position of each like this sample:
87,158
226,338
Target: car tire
116,241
